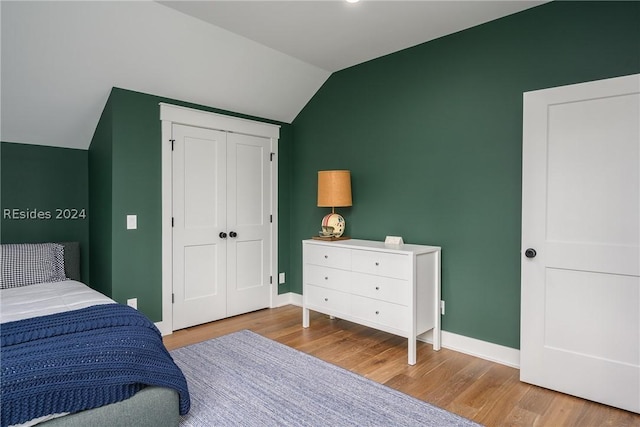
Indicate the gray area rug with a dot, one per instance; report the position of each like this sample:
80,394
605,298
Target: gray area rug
244,379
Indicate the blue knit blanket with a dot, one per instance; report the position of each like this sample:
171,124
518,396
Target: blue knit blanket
81,359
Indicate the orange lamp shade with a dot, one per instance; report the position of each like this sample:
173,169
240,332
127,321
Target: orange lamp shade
334,188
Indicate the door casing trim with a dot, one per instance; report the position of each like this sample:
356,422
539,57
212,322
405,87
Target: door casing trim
172,114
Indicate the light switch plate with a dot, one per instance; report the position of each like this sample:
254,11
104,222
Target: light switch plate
132,222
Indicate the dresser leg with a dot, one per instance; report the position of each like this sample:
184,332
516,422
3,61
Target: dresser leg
412,350
436,339
305,317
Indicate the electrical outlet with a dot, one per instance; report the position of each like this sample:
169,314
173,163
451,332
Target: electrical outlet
133,302
280,278
442,307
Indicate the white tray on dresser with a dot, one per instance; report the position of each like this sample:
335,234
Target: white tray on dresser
393,288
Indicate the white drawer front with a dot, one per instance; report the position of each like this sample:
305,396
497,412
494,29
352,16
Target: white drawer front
381,288
332,278
380,312
327,256
328,299
381,264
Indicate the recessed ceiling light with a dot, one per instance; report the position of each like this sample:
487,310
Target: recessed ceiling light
353,1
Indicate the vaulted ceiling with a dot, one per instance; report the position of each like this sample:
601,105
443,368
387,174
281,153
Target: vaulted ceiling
59,60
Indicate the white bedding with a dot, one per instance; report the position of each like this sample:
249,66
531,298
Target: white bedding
47,298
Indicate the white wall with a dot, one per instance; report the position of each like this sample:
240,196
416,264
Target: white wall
60,60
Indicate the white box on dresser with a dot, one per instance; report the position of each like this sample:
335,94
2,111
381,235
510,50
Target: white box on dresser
393,288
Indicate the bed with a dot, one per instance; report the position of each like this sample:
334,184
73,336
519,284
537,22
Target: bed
71,356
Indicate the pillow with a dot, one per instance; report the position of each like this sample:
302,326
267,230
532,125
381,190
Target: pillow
29,263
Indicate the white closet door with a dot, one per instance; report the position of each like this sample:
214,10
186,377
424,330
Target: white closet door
581,195
199,212
248,212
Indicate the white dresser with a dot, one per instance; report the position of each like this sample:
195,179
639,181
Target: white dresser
393,288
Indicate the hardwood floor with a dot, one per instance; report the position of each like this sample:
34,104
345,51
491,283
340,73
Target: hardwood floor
486,392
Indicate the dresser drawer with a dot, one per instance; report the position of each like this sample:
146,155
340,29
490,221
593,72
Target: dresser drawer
381,288
326,277
328,299
381,264
327,256
383,313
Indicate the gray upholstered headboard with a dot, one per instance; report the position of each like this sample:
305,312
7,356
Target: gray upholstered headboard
71,260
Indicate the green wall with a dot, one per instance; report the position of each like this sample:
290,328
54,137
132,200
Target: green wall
125,170
432,136
48,182
100,202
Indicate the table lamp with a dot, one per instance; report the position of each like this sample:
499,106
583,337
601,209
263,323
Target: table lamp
334,190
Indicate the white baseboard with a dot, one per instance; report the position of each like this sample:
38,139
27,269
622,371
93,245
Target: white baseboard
163,327
290,298
485,350
474,347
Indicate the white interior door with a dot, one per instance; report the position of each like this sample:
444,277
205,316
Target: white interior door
199,215
248,222
580,324
217,179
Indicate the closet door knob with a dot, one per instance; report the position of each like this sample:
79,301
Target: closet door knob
222,235
233,234
530,253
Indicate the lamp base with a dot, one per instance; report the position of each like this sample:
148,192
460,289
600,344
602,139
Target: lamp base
330,238
333,225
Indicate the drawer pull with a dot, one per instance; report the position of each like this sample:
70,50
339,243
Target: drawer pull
326,278
326,257
377,312
377,288
326,299
377,263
